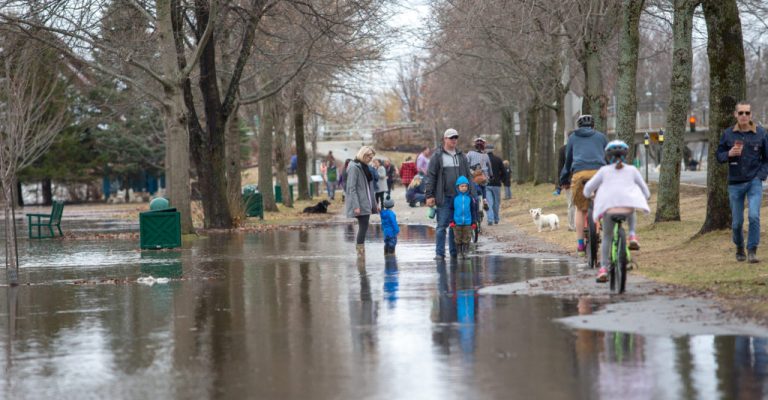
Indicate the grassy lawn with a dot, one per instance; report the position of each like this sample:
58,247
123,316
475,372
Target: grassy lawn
669,251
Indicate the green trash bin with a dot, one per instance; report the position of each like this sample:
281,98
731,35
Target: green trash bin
253,202
160,229
279,193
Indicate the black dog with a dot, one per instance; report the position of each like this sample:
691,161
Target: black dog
319,208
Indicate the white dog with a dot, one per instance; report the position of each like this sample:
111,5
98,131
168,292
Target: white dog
543,221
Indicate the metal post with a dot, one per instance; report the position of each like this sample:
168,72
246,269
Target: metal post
646,142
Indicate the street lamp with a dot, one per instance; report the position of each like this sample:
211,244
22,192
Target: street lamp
661,144
646,142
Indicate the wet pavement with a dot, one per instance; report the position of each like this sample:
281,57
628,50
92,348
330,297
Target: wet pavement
292,315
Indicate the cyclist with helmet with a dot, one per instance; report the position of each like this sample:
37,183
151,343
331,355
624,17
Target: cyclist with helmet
622,191
584,155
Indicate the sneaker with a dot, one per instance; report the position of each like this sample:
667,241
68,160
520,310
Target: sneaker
602,276
582,250
439,257
634,244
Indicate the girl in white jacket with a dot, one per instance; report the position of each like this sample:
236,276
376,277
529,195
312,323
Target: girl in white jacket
622,191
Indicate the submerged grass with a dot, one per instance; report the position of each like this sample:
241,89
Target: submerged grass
671,252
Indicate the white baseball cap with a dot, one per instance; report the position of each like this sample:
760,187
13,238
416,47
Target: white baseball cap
450,132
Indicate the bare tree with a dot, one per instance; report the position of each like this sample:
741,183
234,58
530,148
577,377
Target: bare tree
33,110
727,86
668,208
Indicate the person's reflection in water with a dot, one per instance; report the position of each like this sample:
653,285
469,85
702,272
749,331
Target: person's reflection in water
391,280
455,307
364,318
466,304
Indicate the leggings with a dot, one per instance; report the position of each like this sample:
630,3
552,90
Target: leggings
608,225
362,228
380,199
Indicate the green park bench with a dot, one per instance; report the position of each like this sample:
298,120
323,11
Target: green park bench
46,221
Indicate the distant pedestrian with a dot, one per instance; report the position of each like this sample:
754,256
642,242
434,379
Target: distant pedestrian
343,179
414,195
381,187
360,202
294,164
744,147
507,180
493,190
422,161
445,167
407,171
391,172
390,227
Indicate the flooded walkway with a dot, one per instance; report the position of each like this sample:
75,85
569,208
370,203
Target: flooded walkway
292,315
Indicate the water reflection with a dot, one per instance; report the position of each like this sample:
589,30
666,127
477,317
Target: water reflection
294,315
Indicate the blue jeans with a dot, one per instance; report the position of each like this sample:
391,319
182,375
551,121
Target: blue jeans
444,218
494,200
390,243
753,191
331,188
507,192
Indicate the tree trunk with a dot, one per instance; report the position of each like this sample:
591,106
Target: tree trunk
232,154
522,150
508,139
11,241
19,194
543,167
282,151
668,207
47,189
177,164
301,150
594,98
727,85
629,42
532,125
265,154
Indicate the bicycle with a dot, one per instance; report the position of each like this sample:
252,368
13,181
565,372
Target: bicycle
591,237
620,257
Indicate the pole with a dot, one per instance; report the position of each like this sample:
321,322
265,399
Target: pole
646,142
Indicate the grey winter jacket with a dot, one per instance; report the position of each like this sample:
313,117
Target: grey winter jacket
358,191
441,182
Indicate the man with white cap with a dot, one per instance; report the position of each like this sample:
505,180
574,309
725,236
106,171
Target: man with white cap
445,167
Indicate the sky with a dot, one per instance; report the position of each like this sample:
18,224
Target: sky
410,16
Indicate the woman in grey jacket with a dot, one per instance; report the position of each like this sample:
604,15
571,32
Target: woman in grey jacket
360,198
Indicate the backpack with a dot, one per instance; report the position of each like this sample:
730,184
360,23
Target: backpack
332,173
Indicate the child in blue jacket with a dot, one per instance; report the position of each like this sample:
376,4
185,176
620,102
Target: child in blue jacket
464,216
389,226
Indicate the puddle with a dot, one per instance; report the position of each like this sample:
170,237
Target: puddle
292,315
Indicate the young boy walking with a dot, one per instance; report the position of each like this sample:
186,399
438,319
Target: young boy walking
389,226
463,216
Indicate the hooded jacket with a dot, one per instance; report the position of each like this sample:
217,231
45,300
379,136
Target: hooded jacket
464,210
585,151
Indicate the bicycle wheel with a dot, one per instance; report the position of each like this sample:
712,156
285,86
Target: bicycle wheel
622,261
593,242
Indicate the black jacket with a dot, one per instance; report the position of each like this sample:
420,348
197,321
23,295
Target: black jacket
497,170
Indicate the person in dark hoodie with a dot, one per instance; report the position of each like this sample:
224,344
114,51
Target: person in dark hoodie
444,168
584,155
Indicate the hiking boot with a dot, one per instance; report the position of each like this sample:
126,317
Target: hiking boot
602,276
360,250
740,255
634,244
439,257
752,256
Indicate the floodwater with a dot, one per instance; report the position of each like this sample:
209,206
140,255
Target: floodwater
292,315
